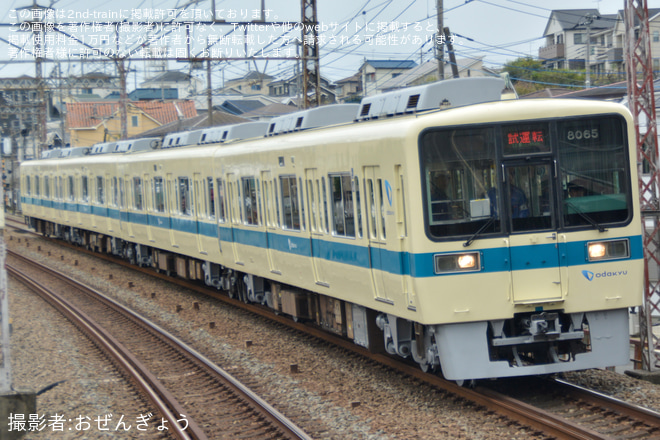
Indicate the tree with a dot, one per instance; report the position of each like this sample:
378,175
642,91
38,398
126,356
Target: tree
529,75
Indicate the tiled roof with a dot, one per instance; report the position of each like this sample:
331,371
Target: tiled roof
391,64
91,114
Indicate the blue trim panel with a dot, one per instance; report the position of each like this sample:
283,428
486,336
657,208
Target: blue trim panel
347,252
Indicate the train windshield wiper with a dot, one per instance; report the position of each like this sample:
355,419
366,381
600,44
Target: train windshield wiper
485,226
591,221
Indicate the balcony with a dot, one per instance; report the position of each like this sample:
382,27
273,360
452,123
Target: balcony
552,52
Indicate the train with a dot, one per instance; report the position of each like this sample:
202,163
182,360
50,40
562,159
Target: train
477,236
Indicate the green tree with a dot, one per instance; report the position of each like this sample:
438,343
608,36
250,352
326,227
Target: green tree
529,75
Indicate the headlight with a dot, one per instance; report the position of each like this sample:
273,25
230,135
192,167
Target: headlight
608,250
463,262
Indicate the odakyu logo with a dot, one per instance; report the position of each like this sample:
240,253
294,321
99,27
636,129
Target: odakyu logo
606,274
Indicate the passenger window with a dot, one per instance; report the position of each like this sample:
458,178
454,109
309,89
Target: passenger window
325,205
159,194
381,202
47,187
210,205
343,218
373,232
290,204
137,193
122,194
100,190
221,201
250,200
312,205
358,207
37,186
183,193
72,195
302,204
84,189
28,190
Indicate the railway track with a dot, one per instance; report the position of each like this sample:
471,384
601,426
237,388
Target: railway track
568,417
198,399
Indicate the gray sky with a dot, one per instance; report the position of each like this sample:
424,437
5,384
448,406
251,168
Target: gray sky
497,30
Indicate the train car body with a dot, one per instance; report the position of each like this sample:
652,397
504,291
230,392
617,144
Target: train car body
489,240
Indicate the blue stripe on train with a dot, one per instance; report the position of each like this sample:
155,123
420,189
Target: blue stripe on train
346,252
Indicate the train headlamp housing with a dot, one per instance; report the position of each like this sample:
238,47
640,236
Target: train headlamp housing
459,262
608,250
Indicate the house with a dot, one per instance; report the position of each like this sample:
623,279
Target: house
570,32
349,89
187,85
374,73
89,123
428,72
253,83
289,88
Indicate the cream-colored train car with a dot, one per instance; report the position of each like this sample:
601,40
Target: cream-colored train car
489,240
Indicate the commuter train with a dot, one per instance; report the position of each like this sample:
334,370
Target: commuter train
481,237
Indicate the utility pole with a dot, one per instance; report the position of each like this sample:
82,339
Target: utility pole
311,75
439,46
209,94
588,20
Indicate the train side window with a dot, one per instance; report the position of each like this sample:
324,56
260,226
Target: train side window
373,232
325,205
210,196
358,207
47,187
159,194
277,204
343,212
183,196
250,200
122,194
72,194
59,188
114,192
221,201
381,202
312,205
290,204
84,189
302,204
28,189
37,187
100,190
137,193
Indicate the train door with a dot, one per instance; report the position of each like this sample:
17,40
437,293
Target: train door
269,190
318,223
534,243
200,210
376,196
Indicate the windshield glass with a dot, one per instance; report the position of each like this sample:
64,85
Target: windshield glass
459,170
593,171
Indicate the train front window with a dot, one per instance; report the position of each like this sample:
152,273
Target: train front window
459,171
593,171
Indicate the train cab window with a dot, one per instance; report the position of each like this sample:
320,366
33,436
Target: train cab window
84,189
159,194
210,197
343,211
71,188
100,190
290,203
222,209
459,176
137,194
593,162
250,200
183,196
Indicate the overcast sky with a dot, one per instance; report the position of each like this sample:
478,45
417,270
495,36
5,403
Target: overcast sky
352,30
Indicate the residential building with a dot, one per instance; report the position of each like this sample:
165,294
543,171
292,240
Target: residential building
91,122
349,89
289,88
373,73
186,84
252,83
576,38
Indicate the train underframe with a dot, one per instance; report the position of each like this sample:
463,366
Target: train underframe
532,343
